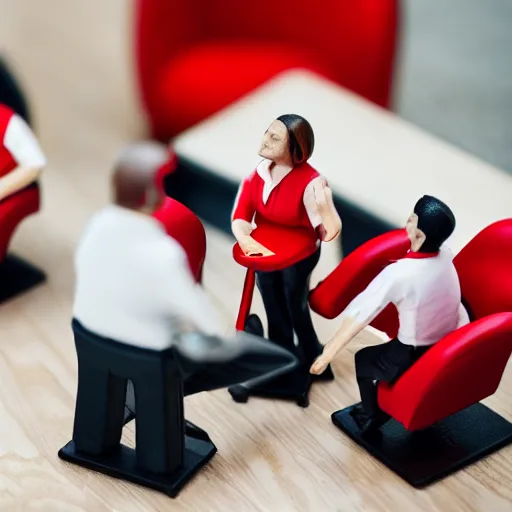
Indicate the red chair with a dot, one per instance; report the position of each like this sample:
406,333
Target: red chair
181,223
16,275
440,425
195,57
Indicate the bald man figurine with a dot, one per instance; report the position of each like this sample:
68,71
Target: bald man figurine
140,316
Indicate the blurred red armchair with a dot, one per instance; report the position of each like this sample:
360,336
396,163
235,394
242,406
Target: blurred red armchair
195,57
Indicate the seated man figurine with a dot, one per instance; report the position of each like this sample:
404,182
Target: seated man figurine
424,287
136,294
179,222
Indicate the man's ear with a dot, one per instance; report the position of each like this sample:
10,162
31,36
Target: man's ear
419,239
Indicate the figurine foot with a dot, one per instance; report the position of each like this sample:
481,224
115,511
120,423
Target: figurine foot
326,376
239,393
294,385
17,276
368,425
253,325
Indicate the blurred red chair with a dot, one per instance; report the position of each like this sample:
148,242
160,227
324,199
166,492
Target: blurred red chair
195,57
439,394
182,224
12,211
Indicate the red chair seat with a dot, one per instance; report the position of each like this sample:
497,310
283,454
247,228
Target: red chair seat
195,84
12,211
463,368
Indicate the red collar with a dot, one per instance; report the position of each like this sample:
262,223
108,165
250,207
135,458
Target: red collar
419,255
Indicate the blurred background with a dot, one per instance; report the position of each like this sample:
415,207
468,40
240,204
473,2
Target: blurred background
453,75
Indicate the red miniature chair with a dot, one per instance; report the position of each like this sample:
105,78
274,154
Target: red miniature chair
181,223
16,275
195,57
439,395
185,227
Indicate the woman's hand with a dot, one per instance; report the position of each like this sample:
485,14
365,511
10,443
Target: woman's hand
251,247
331,222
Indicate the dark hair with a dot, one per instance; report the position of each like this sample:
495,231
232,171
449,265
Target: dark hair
436,220
301,139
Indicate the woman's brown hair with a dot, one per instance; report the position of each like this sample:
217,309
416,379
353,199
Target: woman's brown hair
301,139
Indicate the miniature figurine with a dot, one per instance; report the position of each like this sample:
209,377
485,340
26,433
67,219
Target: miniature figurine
286,192
179,221
21,164
140,316
424,287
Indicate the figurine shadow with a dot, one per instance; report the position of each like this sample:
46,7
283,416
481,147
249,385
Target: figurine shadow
18,276
427,456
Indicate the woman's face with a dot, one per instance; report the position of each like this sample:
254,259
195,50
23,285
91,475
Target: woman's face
274,145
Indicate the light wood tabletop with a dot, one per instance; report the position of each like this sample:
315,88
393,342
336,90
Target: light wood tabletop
73,59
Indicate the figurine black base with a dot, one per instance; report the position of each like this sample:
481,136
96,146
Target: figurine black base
17,276
122,464
291,386
424,457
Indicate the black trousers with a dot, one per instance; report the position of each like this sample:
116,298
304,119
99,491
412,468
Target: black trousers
385,362
104,367
285,297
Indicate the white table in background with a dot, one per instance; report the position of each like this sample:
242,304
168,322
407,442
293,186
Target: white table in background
373,160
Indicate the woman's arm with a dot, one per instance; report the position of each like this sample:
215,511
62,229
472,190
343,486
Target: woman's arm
241,220
23,146
321,210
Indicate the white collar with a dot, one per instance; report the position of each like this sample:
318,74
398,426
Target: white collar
131,216
276,177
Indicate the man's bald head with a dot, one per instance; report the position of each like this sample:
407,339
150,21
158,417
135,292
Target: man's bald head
134,177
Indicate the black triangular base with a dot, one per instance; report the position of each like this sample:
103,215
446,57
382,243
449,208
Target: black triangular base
123,464
291,386
424,457
17,276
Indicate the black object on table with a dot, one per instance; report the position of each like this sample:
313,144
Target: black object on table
426,456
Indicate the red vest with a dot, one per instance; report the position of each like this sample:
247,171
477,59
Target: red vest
285,204
7,162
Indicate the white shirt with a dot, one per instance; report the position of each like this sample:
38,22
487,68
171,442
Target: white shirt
132,279
272,180
426,293
22,144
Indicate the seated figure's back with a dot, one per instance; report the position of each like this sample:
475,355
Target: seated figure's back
132,279
427,297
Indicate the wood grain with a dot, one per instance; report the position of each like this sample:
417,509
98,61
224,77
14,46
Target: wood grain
73,59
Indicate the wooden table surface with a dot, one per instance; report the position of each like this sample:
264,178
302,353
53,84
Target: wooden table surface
73,60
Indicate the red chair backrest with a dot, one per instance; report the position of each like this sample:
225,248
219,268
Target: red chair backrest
463,368
355,272
13,210
185,227
356,38
484,267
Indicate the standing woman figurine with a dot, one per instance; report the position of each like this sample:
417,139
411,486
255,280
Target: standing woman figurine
284,190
